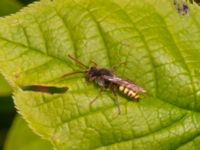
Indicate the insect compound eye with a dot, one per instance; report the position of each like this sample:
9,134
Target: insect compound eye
93,69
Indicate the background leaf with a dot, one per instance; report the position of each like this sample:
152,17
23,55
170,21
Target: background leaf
22,138
162,53
5,89
9,6
26,2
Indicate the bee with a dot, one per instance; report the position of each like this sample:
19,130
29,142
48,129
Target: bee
105,79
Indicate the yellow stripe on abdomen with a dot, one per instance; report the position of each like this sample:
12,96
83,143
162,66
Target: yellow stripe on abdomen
131,94
128,92
121,88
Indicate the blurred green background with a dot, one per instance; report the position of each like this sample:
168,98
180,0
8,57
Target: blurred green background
7,110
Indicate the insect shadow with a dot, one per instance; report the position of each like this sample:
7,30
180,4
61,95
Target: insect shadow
105,79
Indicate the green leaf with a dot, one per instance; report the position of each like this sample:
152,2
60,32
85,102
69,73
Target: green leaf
162,51
5,89
9,6
22,138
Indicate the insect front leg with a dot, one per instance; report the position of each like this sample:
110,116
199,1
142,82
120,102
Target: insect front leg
92,62
118,65
113,89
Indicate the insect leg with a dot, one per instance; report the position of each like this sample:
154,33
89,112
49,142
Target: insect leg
99,94
113,89
91,61
118,65
77,61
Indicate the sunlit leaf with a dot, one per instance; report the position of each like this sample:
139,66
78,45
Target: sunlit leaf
162,52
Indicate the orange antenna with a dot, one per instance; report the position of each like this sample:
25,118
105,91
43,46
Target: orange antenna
78,62
72,73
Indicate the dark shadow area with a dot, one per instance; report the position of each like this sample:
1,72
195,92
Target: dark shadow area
26,2
197,1
7,114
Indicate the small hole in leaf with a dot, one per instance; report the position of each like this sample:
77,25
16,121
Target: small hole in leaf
45,89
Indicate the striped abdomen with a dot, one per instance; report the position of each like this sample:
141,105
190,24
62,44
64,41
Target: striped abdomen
129,92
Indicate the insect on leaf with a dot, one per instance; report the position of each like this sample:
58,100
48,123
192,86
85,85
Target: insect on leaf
161,50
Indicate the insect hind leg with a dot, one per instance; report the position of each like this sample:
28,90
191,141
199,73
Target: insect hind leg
113,89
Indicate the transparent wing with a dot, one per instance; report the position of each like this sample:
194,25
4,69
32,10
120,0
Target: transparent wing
122,82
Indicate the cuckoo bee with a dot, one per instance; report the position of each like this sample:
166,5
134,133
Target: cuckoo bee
105,79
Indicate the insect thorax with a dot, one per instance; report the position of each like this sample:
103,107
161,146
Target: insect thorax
95,74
